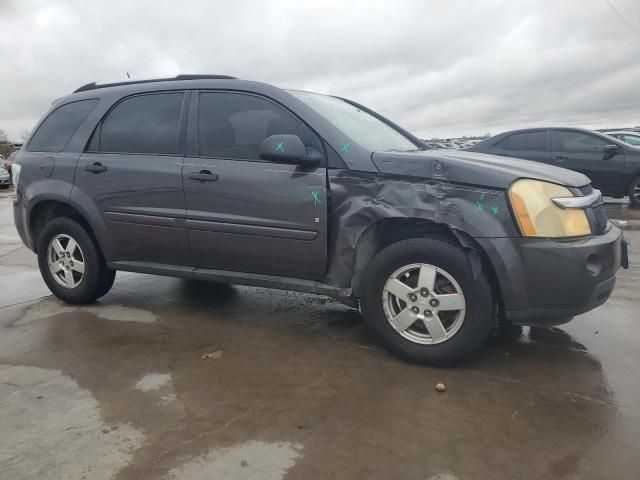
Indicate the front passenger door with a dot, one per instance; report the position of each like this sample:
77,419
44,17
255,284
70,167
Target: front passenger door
244,213
585,153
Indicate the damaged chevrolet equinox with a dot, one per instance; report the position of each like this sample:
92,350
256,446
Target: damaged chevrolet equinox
214,178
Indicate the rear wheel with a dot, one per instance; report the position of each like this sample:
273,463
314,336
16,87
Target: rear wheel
70,262
634,192
423,301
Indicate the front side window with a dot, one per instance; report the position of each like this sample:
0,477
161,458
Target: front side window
141,124
568,141
363,128
234,125
58,128
526,141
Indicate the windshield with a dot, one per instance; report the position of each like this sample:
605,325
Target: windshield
360,126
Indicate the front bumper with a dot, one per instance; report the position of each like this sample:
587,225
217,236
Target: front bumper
5,181
548,282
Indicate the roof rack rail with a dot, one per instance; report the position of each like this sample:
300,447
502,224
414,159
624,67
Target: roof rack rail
94,85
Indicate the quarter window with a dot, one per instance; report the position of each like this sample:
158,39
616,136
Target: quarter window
232,125
525,142
141,124
58,128
568,141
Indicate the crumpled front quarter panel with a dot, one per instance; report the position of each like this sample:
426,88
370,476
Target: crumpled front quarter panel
359,199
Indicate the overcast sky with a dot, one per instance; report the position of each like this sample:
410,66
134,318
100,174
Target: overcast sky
439,68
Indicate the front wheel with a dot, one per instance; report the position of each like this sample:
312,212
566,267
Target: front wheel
424,303
70,263
634,192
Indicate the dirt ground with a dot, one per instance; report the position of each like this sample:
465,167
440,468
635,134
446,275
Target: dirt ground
292,386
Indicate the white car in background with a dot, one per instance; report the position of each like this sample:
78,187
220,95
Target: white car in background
5,178
632,138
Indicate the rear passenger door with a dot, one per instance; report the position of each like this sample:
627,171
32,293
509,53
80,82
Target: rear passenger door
252,215
530,145
586,154
131,170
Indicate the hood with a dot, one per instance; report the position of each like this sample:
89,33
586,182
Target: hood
473,168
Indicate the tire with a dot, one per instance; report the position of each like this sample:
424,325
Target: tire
634,192
4,187
106,282
81,287
465,329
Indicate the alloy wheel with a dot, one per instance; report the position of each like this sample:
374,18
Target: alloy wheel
65,260
424,303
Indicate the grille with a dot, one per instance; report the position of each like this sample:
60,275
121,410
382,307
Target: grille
596,215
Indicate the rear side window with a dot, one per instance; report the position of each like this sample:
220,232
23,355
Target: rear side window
525,142
58,128
569,141
232,125
141,124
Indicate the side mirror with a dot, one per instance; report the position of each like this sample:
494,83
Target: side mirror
286,149
610,151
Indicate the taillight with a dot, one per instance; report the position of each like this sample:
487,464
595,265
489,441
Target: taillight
15,172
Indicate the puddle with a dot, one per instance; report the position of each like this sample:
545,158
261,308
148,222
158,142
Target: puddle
252,460
153,381
51,307
55,429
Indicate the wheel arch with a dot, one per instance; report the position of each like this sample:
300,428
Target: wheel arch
387,231
633,176
46,209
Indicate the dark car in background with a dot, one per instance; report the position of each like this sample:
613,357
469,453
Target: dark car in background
612,165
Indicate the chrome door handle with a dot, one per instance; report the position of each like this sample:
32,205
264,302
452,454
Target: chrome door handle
96,167
203,176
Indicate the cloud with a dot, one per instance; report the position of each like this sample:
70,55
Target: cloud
438,68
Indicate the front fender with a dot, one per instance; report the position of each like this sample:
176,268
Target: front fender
360,199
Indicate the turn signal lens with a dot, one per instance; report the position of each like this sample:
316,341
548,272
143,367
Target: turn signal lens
538,216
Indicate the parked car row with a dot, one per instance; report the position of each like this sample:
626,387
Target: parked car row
632,138
457,144
5,179
610,161
5,176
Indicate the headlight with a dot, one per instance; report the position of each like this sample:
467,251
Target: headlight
539,216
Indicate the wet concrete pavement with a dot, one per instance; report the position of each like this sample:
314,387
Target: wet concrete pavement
295,388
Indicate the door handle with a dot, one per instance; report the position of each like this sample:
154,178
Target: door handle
96,167
203,176
560,158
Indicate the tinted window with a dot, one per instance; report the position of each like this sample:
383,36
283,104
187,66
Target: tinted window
142,124
234,125
526,141
567,141
58,128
